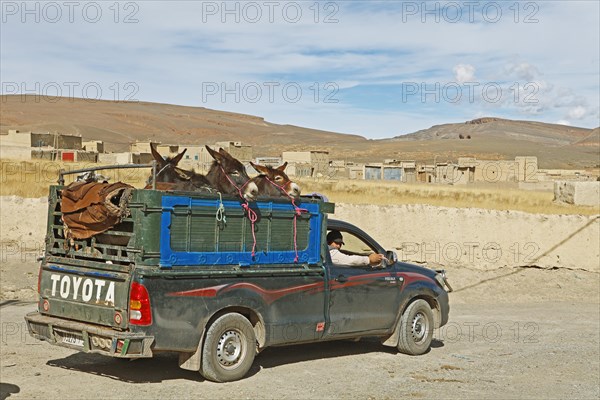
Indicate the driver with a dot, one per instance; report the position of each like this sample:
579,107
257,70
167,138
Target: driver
335,241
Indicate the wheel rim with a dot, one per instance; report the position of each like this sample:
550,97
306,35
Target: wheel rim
420,328
230,349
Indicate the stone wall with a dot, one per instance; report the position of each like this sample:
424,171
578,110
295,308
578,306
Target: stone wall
578,193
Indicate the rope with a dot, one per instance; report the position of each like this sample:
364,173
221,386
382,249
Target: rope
252,216
250,213
238,188
220,215
297,212
151,178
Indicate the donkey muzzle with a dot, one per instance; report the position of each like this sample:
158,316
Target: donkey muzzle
294,190
251,191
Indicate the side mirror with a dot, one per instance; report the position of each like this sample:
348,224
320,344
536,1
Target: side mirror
391,256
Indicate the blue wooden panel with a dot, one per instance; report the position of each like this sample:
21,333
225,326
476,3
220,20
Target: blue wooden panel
372,173
169,257
392,174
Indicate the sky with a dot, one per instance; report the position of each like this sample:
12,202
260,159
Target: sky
376,69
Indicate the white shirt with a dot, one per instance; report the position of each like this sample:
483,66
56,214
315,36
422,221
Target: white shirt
340,258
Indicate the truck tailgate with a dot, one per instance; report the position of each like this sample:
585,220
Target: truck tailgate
95,293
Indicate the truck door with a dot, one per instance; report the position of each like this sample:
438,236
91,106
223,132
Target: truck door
361,298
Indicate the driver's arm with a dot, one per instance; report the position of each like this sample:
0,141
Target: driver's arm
375,258
339,258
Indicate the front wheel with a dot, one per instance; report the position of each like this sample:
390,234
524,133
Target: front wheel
229,349
416,328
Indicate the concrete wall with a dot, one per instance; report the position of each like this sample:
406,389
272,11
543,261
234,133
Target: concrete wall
193,153
44,154
141,158
16,139
296,156
268,161
565,174
86,156
537,186
169,150
527,169
446,174
356,172
140,147
319,160
480,239
93,145
68,142
578,193
114,158
447,237
14,152
299,170
492,171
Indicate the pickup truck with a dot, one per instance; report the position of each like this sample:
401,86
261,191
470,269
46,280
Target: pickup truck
193,274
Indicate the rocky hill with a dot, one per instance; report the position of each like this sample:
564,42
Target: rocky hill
119,123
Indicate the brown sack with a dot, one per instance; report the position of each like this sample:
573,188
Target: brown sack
91,208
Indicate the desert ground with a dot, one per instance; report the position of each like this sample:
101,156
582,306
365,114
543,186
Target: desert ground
526,325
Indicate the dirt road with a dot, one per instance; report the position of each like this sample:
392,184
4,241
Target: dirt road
543,350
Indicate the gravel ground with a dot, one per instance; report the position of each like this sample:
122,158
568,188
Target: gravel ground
489,349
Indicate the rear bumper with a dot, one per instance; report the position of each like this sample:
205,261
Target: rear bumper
88,338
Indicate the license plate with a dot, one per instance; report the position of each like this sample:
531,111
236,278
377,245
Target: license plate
72,340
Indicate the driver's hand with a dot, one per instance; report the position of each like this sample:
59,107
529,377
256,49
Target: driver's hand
375,259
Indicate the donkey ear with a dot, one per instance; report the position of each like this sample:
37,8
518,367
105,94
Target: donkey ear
281,168
260,168
215,154
156,155
224,153
178,157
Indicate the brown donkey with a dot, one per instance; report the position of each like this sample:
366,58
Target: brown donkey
226,175
274,182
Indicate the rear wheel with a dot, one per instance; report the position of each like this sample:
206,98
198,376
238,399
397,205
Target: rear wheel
229,348
416,328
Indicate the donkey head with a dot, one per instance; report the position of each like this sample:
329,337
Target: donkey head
166,167
229,176
274,182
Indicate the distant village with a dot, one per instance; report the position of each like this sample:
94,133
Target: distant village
523,170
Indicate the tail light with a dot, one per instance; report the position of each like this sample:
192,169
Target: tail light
43,303
140,312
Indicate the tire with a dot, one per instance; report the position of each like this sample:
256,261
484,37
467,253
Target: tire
416,328
229,349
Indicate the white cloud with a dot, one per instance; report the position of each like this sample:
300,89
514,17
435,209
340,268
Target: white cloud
563,122
464,73
172,51
524,71
577,112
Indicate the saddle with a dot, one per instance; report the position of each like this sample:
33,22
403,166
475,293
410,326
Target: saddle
90,208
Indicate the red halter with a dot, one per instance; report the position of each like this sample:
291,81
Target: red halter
252,216
298,212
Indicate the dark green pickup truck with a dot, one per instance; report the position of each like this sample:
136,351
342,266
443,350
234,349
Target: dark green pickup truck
193,274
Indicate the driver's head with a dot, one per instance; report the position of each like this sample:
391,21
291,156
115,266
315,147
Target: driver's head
336,237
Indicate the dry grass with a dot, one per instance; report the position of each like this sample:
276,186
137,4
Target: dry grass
32,178
487,197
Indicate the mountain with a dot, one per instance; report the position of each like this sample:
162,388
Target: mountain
119,123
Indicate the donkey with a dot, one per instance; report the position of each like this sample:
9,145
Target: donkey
273,182
171,177
226,175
